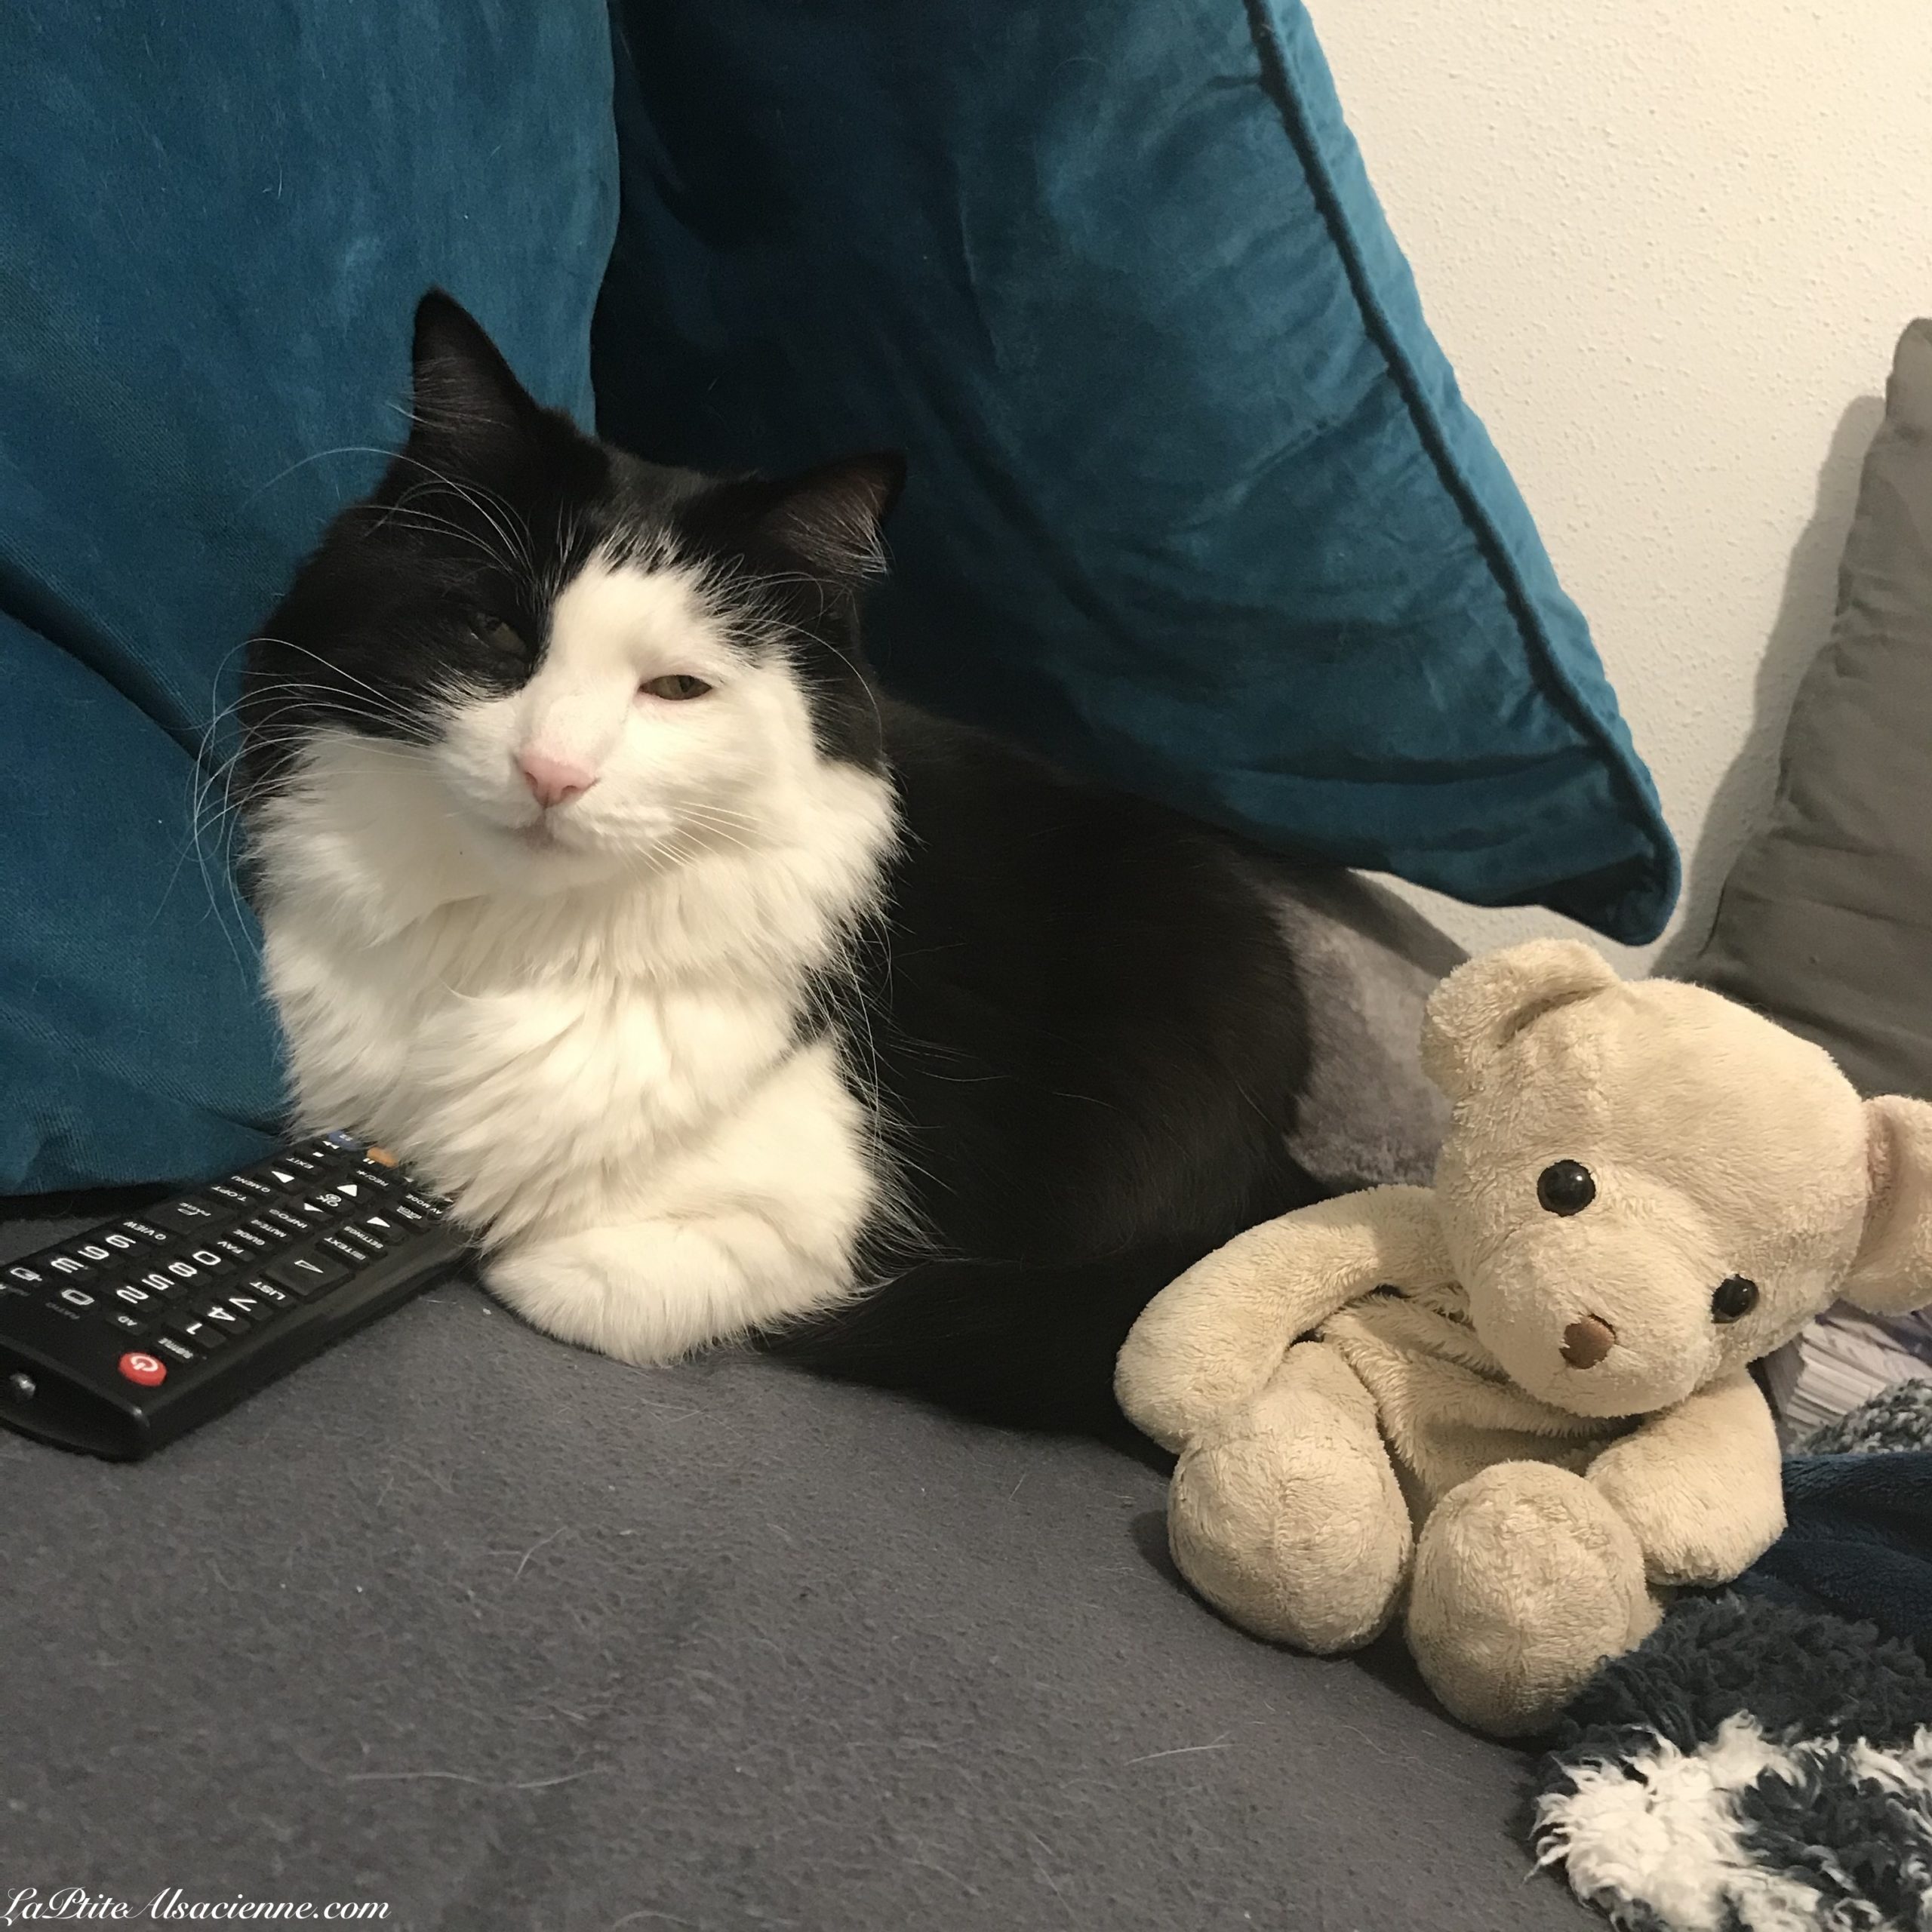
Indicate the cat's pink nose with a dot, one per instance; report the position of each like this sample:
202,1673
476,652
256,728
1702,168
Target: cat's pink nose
554,781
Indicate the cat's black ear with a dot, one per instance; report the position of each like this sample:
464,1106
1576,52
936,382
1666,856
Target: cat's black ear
830,517
465,394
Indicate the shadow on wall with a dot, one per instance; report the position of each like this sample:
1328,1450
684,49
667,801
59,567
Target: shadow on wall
1743,797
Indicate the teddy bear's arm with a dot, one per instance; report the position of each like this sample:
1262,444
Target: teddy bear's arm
1210,1340
1699,1484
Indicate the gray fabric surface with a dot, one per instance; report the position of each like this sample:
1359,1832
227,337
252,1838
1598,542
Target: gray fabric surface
512,1636
1369,962
1825,921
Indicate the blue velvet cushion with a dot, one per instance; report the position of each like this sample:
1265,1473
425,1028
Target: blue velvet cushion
1195,501
217,219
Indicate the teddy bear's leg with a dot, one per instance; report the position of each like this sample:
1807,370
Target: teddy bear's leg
1287,1516
1526,1578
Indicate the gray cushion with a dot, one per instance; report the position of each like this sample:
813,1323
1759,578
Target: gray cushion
510,1635
1825,921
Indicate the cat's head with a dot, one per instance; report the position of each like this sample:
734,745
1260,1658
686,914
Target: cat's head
584,661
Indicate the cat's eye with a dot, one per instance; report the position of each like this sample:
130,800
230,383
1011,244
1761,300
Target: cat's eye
678,685
1566,1187
1736,1296
502,637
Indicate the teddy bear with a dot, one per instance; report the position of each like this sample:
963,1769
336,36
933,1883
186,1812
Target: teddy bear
1517,1405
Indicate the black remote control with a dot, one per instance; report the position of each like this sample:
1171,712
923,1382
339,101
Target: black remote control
136,1331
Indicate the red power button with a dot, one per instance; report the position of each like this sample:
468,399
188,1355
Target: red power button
138,1366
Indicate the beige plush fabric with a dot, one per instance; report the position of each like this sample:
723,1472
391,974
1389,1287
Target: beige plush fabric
1520,1400
1447,1409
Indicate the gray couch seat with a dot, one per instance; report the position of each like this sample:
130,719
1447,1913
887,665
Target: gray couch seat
503,1634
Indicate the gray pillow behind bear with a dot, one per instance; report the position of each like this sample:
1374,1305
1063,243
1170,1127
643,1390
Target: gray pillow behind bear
1825,921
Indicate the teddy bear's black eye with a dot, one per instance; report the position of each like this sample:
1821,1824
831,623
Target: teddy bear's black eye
1566,1187
1735,1298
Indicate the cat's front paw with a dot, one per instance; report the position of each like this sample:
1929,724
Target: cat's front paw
651,1291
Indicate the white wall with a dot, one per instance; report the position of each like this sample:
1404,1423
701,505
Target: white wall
1669,245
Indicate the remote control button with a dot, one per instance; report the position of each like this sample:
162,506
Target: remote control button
121,1244
244,1240
149,1232
77,1298
377,1180
210,1260
137,1365
28,1278
191,1217
133,1294
432,1204
173,1345
414,1216
287,1220
93,1252
273,1296
246,1304
161,1282
377,1229
223,1317
127,1322
351,1251
193,1330
273,1233
242,1199
69,1266
304,1271
305,1164
275,1177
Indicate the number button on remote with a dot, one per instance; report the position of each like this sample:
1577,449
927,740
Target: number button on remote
193,1329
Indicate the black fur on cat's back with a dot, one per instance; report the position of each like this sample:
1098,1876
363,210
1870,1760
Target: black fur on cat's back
1086,1034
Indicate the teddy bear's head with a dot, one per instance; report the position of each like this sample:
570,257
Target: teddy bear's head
1645,1185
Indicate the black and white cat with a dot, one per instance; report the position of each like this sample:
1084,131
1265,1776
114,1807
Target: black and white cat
726,996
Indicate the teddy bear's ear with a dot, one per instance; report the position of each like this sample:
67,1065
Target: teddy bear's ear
1894,1271
1488,1000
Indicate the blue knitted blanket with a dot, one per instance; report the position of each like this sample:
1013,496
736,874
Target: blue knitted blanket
1763,1763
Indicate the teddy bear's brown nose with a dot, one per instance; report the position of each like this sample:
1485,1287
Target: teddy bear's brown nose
1587,1341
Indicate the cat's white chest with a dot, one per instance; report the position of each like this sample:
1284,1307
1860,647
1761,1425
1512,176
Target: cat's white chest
611,1079
539,1099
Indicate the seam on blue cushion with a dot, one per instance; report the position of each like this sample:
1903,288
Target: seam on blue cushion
45,612
1277,83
